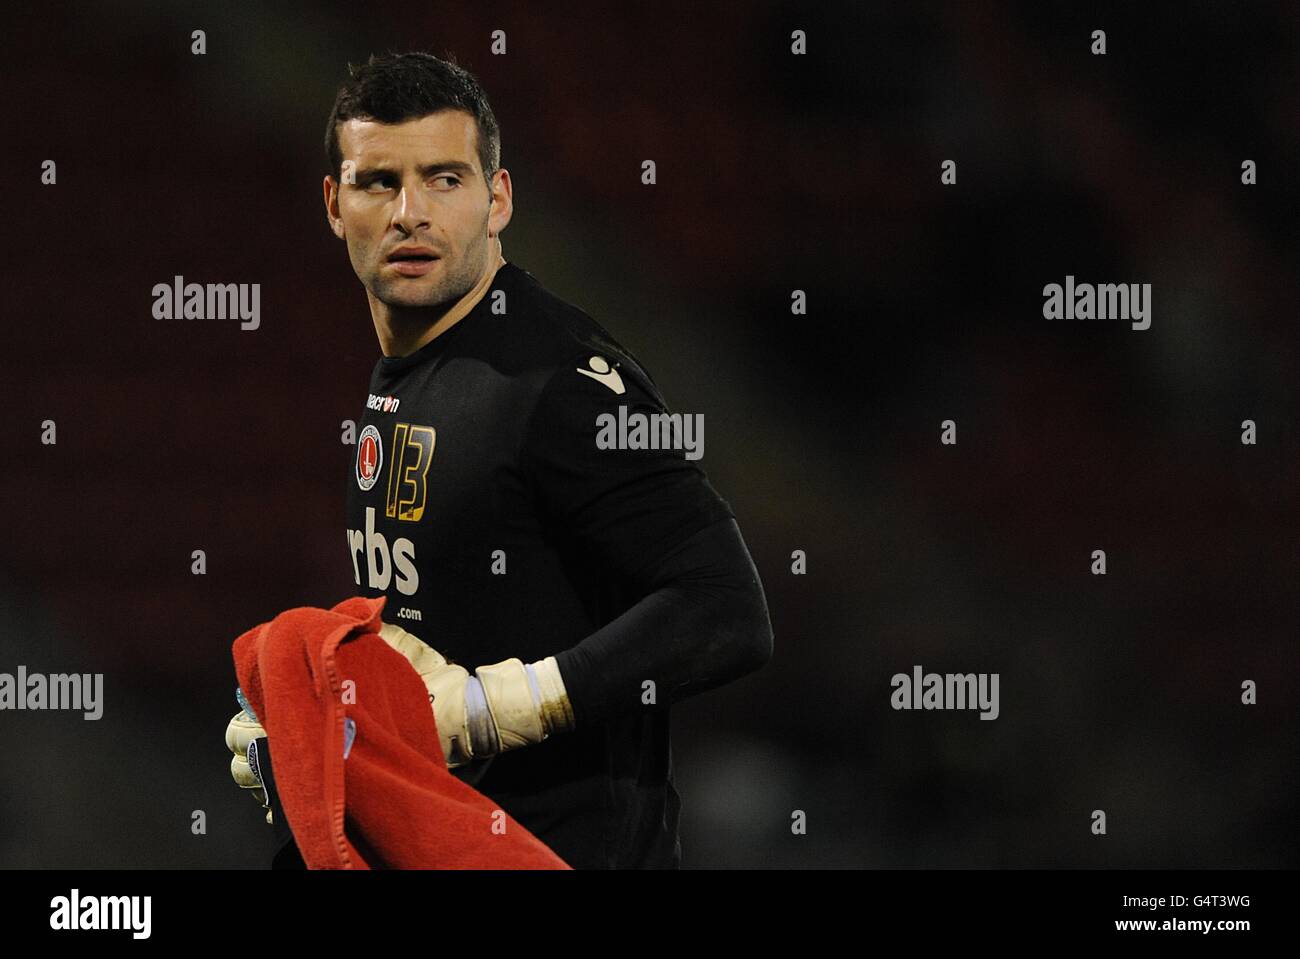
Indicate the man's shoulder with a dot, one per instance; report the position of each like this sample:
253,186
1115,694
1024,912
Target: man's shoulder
550,332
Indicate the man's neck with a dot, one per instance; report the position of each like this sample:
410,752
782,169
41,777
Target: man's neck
401,334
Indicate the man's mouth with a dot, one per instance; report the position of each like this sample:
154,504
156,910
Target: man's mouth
412,260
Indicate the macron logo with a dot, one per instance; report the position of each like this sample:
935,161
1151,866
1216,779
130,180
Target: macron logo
601,373
384,404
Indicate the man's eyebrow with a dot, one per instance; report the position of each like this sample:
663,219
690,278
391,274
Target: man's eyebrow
448,166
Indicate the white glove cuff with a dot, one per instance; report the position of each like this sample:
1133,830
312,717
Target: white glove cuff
550,695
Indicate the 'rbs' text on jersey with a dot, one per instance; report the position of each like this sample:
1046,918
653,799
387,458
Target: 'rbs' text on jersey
380,560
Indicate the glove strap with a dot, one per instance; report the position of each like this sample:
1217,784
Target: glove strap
484,740
527,703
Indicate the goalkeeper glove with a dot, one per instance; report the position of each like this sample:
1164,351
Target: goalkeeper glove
499,708
240,732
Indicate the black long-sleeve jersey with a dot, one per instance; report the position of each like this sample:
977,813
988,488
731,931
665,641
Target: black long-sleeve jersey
482,505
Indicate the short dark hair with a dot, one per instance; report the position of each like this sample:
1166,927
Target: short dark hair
397,87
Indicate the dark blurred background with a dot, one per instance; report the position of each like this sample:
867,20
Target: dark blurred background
775,172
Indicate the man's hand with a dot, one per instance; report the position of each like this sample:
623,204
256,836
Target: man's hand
241,731
500,707
446,685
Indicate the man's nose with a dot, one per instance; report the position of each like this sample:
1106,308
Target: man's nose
413,210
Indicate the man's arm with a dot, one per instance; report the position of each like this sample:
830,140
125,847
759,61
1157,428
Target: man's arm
650,520
703,624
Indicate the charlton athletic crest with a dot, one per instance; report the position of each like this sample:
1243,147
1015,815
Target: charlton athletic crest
370,457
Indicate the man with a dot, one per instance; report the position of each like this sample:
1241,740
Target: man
583,587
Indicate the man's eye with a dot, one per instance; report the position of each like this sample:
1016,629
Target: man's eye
451,181
376,185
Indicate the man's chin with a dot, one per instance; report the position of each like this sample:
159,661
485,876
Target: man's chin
411,295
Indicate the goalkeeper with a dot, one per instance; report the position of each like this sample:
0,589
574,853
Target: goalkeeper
557,581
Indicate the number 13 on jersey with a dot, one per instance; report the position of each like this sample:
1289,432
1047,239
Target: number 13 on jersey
411,453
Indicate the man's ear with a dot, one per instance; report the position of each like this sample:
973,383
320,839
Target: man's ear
332,206
502,207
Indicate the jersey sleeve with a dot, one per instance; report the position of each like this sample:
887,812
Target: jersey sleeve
628,507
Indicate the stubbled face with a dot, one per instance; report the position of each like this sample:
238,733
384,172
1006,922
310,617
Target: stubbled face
416,219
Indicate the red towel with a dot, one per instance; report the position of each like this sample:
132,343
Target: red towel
392,803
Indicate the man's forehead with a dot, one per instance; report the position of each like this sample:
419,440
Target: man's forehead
452,134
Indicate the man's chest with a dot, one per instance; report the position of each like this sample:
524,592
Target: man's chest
436,478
